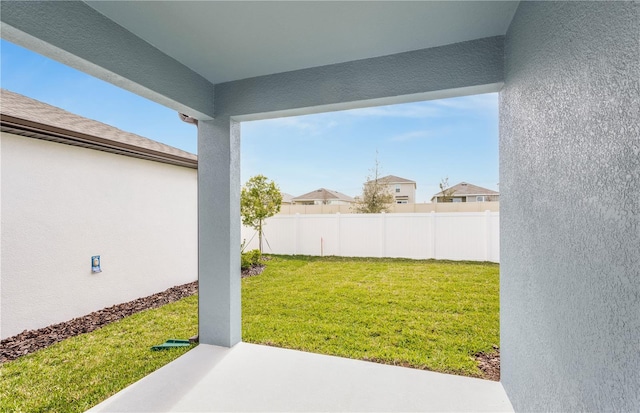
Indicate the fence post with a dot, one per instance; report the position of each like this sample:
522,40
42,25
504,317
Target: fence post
487,216
338,234
382,234
296,220
433,234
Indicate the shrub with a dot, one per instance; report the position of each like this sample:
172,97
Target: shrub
250,258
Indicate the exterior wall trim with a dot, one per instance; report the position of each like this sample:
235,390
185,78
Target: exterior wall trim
37,130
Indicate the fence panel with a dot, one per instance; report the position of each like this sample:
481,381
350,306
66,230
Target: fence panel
461,237
315,233
360,235
454,236
408,236
494,253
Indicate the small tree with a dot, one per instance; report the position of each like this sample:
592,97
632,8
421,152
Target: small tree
259,200
447,193
376,196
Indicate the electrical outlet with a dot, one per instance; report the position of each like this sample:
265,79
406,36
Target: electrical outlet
95,264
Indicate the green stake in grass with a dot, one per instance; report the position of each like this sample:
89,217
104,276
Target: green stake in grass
171,343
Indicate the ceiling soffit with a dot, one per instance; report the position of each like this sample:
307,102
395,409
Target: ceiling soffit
225,41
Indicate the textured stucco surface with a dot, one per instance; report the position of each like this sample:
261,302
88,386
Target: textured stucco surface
462,68
570,207
73,33
219,307
63,204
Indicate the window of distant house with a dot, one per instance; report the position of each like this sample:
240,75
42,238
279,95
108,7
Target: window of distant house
480,198
397,187
403,201
456,200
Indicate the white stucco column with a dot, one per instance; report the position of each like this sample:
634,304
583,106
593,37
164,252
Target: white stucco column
219,231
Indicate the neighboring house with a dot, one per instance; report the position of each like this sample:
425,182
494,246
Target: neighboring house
287,199
466,192
323,196
403,190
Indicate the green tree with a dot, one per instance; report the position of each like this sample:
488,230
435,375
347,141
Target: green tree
259,200
376,196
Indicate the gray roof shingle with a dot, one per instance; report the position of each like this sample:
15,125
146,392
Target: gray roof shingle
324,194
392,179
466,189
28,117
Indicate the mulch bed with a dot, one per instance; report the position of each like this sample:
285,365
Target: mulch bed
251,271
490,364
33,340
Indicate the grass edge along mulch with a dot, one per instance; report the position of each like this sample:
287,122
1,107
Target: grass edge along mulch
81,371
30,341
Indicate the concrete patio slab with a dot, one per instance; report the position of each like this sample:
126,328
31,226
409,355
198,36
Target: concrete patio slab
253,378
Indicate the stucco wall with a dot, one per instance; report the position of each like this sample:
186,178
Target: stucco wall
570,207
458,69
62,204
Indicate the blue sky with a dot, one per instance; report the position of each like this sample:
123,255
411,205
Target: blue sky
425,141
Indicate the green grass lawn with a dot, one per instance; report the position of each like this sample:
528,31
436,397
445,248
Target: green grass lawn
431,315
78,373
424,314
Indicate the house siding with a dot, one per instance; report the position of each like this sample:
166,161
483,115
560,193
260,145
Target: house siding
62,204
407,191
487,198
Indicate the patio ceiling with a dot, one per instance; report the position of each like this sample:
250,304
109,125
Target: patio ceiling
226,41
179,53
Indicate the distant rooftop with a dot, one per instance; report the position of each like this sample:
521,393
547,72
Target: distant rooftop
467,189
286,198
28,117
323,194
392,179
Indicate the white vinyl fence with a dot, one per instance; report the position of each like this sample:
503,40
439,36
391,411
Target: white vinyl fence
465,236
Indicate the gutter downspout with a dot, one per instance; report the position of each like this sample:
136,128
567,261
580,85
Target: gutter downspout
188,119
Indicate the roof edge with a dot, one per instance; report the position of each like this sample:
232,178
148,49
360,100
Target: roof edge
36,130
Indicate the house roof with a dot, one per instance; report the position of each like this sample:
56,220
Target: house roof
28,117
392,179
323,194
286,198
467,189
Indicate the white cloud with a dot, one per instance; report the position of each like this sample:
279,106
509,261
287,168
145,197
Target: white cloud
289,122
408,136
488,101
431,109
310,124
407,110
